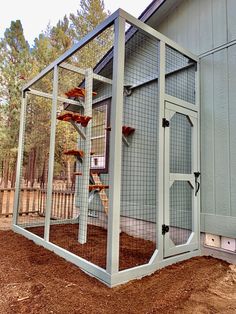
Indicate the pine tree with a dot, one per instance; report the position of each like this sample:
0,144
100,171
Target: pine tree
91,14
18,63
15,67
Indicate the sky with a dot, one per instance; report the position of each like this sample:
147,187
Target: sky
36,14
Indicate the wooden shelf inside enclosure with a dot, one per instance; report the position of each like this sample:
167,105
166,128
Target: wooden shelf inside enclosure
75,152
127,130
78,174
76,117
98,187
77,92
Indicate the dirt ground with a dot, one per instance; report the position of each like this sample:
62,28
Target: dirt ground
34,280
133,251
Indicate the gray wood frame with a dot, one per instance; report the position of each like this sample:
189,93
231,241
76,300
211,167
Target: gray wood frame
111,276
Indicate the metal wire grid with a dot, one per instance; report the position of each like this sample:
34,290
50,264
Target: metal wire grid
180,212
83,231
34,171
180,75
180,144
93,52
70,193
45,84
139,159
139,166
180,191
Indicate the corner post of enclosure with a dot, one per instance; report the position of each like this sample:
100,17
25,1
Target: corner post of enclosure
198,104
83,218
116,148
51,154
161,161
19,157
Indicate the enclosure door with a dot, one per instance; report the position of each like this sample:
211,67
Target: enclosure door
180,228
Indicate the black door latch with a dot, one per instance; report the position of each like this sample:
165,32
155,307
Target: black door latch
197,183
165,229
165,123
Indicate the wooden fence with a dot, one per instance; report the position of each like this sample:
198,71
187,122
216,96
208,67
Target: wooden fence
62,204
33,201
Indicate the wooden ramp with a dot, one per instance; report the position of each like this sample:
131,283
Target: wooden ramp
102,192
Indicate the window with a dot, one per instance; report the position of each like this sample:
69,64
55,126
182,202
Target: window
100,136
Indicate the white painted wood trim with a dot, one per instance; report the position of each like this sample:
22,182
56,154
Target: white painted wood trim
179,102
102,79
51,155
98,272
92,269
113,241
161,151
59,98
139,24
167,185
176,108
100,28
83,219
144,270
181,177
72,68
19,157
192,244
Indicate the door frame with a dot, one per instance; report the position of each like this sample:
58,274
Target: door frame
169,248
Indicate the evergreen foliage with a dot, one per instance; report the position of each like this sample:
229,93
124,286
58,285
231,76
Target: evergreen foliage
19,63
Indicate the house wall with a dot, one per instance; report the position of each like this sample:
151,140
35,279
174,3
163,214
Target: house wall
202,26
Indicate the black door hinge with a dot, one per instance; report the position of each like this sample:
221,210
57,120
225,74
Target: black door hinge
165,229
165,123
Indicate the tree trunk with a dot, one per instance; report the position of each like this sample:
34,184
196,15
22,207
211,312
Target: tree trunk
68,174
6,172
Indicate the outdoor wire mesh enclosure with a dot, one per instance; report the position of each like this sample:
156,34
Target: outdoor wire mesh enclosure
125,134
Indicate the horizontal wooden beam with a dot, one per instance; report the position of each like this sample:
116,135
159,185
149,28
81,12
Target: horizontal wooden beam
49,96
72,68
90,36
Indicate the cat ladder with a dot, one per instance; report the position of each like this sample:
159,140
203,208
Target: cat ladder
99,189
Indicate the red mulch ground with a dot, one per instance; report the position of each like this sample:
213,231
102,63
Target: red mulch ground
133,251
34,280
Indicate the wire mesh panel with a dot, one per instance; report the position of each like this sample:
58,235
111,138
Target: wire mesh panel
180,75
79,210
139,152
34,172
180,212
181,197
180,144
74,214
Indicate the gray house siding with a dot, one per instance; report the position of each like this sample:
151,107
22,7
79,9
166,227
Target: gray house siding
201,26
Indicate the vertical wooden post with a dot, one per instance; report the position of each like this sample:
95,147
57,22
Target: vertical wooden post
19,158
83,220
113,243
51,154
161,163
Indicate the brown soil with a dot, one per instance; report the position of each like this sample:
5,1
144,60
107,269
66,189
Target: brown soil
133,251
34,280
